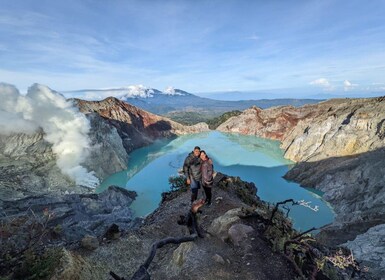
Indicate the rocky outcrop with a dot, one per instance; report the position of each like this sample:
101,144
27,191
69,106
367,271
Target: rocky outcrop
34,229
28,166
347,128
354,185
107,154
136,127
339,146
370,247
338,127
273,123
77,215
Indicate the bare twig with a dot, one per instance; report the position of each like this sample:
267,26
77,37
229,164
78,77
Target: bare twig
305,232
281,203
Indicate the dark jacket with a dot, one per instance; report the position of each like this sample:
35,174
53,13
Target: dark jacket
207,173
192,167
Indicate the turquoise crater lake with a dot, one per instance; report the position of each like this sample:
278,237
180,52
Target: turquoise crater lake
251,158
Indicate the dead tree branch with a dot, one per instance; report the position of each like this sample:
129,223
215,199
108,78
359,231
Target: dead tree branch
142,272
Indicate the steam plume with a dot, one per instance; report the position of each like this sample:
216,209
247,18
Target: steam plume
64,126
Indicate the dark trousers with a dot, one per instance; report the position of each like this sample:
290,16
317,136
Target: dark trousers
208,194
195,186
194,194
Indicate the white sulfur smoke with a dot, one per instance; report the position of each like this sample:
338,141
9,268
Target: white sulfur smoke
64,126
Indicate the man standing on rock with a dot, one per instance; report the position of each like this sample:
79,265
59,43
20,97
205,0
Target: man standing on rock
192,171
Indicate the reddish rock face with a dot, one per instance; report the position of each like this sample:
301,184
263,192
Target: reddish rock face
273,123
136,127
117,110
337,127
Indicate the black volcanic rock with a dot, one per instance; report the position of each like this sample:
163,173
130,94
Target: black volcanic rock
77,215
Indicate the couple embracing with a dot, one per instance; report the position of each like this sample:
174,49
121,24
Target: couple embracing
198,169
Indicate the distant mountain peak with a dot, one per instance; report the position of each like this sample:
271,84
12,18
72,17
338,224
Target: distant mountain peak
127,93
141,91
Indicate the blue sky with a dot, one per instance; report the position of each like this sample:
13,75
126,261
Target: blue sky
295,48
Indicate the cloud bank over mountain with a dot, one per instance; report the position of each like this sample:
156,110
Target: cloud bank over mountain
63,125
126,92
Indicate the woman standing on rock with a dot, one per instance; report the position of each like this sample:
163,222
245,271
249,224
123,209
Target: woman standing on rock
207,171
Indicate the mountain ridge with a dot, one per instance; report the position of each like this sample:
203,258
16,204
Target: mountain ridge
164,103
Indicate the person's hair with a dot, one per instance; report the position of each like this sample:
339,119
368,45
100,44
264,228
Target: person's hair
197,148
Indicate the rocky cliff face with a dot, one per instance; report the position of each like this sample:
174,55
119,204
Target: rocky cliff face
339,147
28,166
347,128
273,123
107,154
136,127
338,127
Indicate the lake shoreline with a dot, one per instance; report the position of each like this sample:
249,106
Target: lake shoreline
253,159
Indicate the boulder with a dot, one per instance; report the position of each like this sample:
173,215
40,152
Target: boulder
180,254
238,233
220,226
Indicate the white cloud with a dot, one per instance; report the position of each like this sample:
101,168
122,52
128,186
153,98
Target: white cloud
347,83
349,86
323,83
63,125
138,91
133,91
171,91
